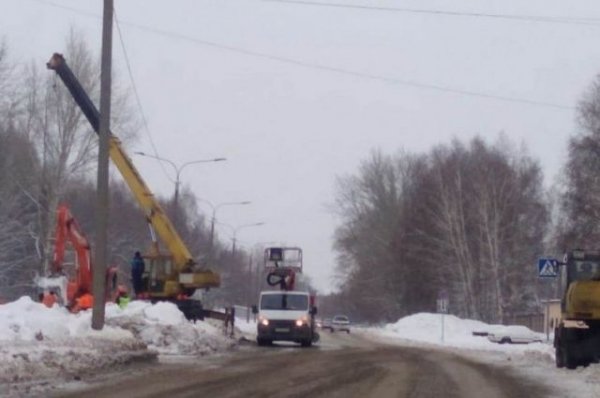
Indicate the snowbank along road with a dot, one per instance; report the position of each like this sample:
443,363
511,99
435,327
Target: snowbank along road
341,366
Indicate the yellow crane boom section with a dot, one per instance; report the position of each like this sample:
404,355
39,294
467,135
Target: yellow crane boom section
152,210
182,259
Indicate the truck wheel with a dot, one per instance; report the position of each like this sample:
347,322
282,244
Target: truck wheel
316,337
569,360
559,358
306,343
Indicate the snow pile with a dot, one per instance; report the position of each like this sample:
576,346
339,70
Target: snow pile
37,343
27,320
426,328
42,346
164,328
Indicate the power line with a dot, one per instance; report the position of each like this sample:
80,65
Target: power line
523,18
136,94
322,67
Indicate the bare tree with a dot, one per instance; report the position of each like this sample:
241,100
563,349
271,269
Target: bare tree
17,254
580,221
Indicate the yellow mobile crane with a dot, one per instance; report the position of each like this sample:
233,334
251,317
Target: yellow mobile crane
173,276
577,336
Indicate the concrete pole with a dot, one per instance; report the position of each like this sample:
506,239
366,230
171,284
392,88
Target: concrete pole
98,288
211,241
249,289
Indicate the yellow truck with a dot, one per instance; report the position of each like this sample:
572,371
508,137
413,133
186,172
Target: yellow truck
577,336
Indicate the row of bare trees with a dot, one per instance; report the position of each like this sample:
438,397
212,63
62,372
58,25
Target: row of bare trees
467,220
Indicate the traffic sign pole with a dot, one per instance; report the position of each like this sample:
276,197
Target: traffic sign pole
442,328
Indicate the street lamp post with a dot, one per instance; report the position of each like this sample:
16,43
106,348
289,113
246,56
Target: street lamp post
235,231
179,169
213,220
214,217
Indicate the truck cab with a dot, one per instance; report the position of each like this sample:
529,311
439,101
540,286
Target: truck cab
285,316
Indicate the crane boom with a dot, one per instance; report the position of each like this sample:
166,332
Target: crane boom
181,259
154,213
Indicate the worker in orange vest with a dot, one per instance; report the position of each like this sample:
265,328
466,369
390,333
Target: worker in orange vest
49,299
83,302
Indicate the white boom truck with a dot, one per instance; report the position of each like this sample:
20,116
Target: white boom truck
285,314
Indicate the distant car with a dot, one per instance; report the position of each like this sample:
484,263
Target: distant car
326,324
513,335
340,323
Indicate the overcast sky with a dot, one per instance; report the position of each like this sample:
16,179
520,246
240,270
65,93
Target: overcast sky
295,94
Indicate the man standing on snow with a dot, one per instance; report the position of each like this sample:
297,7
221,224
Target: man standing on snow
137,271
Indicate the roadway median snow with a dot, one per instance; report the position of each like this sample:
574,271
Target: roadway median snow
464,334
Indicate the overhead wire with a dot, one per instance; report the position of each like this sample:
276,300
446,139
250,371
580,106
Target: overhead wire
316,66
137,96
516,17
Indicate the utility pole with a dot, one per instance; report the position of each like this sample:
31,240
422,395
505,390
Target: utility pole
98,288
249,288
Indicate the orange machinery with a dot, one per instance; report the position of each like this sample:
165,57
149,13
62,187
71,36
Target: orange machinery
79,285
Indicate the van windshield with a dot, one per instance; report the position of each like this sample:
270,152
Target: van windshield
293,302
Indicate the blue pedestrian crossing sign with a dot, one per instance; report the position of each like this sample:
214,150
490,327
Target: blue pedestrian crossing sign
548,267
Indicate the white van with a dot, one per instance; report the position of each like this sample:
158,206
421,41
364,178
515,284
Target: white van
285,316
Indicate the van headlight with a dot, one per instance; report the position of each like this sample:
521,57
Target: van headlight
301,321
263,321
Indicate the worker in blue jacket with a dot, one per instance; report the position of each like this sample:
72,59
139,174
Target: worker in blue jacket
137,271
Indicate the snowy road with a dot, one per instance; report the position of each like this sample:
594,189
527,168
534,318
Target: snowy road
341,366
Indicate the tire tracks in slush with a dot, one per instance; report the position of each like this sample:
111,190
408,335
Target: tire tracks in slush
344,367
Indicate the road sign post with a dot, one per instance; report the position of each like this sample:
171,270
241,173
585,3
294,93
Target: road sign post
548,267
442,307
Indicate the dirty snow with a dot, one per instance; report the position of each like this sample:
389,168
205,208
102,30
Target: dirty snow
535,361
164,328
41,346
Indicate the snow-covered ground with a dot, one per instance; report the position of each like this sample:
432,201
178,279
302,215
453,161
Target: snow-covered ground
535,360
40,345
246,328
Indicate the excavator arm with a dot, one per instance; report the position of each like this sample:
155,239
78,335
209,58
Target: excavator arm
67,230
182,262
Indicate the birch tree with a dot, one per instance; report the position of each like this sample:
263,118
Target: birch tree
466,218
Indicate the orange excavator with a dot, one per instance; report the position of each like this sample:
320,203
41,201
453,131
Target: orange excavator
79,286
